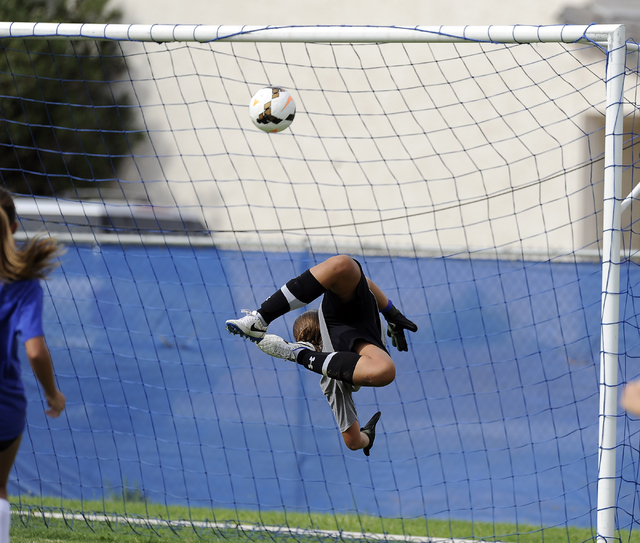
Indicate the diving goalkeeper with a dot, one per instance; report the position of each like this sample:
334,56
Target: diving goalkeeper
343,341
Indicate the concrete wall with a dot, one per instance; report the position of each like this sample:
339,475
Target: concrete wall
344,178
336,12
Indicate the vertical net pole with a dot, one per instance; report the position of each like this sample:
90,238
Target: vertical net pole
610,287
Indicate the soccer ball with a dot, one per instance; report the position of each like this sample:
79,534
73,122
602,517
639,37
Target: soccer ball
272,109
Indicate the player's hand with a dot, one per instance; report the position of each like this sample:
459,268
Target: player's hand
630,397
56,404
397,323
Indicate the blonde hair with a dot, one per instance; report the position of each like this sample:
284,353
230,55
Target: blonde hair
35,259
307,328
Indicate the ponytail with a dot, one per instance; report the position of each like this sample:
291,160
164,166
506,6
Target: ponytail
34,260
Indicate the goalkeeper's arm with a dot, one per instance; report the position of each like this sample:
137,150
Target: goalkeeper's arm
397,323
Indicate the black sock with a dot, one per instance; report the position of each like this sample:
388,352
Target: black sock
337,365
298,292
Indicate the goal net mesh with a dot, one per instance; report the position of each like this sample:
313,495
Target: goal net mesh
467,180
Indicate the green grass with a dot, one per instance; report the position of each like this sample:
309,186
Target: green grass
34,526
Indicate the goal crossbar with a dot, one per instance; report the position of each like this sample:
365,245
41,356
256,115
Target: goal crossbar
324,34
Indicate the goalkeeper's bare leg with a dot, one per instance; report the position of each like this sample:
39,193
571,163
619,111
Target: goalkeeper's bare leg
356,438
340,274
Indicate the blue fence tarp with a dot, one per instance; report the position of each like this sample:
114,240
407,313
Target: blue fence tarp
493,414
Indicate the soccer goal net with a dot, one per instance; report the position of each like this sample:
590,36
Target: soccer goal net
479,176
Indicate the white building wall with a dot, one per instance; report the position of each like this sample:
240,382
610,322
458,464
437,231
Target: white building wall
203,169
354,12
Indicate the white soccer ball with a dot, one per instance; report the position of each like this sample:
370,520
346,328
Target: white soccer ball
272,109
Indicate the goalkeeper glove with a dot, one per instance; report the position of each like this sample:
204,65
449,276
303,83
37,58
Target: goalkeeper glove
397,323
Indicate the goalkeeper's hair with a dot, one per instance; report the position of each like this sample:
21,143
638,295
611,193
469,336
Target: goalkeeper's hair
307,328
35,259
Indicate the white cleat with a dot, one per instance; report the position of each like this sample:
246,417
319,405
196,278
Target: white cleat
250,326
279,348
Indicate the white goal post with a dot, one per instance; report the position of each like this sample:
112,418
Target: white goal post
610,37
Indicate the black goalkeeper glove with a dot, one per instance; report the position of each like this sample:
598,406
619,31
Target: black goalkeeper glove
397,323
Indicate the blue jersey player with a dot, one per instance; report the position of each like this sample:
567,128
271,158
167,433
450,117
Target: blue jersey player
21,297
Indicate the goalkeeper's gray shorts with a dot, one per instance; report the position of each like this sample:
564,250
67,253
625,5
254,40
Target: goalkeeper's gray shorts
338,394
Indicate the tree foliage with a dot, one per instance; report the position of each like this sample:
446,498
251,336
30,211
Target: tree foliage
66,114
